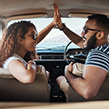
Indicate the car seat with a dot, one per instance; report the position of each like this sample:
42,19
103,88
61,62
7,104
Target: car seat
103,93
13,90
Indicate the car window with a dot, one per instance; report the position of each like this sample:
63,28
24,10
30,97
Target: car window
0,31
56,39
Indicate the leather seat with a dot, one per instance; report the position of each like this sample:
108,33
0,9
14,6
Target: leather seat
103,93
13,90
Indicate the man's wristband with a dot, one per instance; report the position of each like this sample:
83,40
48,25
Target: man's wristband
64,26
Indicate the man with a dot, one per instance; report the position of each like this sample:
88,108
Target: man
95,39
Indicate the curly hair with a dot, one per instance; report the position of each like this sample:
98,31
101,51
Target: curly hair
9,43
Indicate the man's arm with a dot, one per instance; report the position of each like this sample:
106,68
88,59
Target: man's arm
89,85
73,37
70,34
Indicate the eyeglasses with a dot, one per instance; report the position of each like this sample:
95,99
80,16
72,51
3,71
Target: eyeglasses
85,30
35,36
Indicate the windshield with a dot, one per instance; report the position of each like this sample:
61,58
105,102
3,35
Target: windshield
56,39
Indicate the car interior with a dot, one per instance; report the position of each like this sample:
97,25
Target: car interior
54,52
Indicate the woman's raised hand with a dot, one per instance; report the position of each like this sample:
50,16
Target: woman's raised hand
57,19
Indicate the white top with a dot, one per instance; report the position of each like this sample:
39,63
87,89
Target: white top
14,57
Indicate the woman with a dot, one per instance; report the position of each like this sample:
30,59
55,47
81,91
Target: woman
17,49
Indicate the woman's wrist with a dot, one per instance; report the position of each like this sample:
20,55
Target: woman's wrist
52,24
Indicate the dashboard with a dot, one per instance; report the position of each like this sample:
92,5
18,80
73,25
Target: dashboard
59,55
55,61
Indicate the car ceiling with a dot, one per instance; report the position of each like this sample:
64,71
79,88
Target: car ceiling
16,7
9,9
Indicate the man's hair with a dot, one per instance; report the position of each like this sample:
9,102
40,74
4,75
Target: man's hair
102,21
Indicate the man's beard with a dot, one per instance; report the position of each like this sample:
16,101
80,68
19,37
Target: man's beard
91,43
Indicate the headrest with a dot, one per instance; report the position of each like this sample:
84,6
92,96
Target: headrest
78,69
4,73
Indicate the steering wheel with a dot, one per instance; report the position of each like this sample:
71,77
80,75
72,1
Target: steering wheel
80,58
65,52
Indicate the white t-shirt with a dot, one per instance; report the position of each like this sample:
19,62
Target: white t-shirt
14,57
